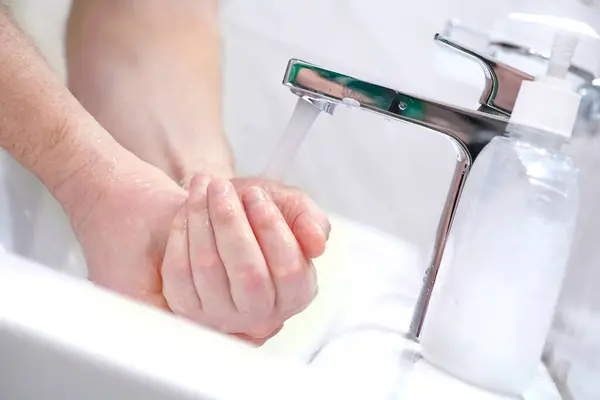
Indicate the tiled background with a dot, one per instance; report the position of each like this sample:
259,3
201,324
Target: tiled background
389,175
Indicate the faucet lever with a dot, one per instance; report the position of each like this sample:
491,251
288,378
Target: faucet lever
502,82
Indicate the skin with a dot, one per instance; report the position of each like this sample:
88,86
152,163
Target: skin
268,279
150,72
232,254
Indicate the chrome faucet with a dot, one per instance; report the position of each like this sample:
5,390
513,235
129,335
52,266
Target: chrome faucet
469,130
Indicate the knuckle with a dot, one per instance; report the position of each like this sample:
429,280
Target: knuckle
266,217
205,260
298,205
288,203
300,201
252,279
196,205
259,295
292,273
200,181
260,307
223,212
297,218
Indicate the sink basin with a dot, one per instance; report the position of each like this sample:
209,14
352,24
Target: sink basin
30,216
63,337
76,340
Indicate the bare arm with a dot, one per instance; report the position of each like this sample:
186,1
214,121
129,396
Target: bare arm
150,72
46,129
143,235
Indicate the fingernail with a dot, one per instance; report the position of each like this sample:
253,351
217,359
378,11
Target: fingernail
255,195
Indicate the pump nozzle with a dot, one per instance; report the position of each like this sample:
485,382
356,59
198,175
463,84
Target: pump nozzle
562,53
550,103
567,34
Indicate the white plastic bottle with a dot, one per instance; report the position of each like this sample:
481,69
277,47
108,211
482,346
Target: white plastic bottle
491,313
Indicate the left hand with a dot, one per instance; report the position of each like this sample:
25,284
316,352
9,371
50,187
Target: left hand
135,237
127,227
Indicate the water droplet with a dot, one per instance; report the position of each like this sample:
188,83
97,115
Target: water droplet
402,106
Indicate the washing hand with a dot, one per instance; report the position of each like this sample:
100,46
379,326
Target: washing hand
233,262
239,267
236,257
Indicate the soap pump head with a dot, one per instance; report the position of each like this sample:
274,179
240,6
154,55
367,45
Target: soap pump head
550,103
563,49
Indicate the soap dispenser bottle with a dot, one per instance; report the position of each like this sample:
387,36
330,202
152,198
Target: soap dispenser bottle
500,280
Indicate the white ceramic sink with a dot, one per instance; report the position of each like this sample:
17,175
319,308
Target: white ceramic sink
62,337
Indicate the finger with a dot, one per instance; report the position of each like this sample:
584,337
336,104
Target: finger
209,275
310,235
291,201
286,262
251,288
178,286
308,222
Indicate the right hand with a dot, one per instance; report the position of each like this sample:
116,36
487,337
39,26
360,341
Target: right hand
233,262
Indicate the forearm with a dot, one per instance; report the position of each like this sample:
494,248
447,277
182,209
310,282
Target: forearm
41,125
150,72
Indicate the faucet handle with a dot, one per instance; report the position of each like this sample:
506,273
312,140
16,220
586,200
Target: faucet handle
503,82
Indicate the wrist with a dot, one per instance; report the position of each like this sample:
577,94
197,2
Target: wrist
84,168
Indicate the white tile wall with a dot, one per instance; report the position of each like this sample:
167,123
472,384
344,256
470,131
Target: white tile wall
392,176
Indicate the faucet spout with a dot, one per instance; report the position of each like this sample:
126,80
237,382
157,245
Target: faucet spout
469,130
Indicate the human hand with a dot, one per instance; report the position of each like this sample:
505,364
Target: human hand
124,237
238,257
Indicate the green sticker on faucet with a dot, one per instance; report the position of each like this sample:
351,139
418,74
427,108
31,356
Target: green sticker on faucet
344,88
